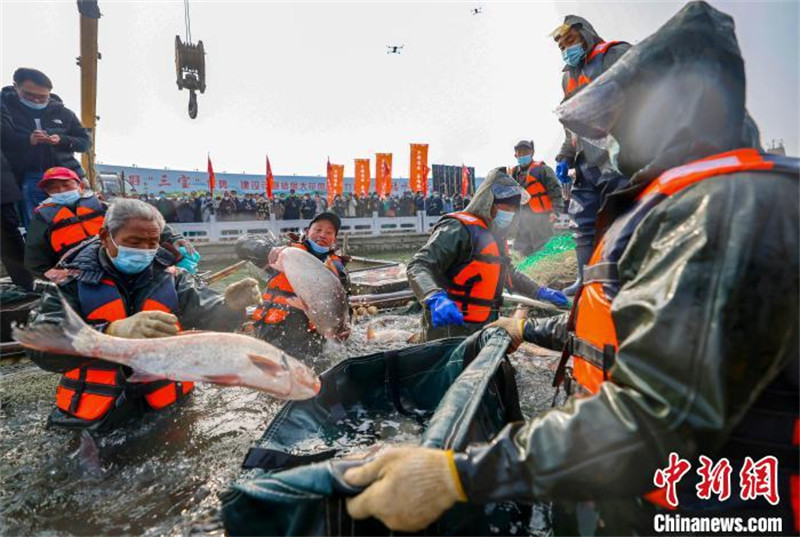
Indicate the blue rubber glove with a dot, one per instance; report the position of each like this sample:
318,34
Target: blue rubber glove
189,261
552,295
562,172
443,310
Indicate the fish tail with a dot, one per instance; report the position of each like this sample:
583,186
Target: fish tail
56,338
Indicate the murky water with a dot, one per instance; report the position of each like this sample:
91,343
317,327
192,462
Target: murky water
161,475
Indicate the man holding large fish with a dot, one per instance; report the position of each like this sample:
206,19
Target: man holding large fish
122,285
305,301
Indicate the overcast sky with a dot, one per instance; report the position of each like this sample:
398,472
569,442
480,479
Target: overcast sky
302,81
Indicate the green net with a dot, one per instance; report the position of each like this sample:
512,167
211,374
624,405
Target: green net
556,245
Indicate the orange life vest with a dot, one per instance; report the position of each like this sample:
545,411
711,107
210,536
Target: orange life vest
476,284
592,340
91,391
68,227
534,185
274,307
592,68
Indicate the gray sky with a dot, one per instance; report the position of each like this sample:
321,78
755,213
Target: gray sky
302,81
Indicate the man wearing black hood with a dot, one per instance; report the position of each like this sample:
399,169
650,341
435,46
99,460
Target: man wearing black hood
685,334
586,56
42,133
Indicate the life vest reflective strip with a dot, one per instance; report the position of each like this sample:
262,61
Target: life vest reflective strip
476,285
540,201
68,228
274,307
591,69
592,340
89,392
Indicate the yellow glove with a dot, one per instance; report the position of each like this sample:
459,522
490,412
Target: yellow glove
515,329
241,294
407,488
145,324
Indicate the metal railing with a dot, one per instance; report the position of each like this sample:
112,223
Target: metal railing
220,231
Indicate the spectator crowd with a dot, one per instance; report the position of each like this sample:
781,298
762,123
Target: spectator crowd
231,205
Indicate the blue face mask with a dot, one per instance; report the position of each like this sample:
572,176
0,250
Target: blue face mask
524,160
503,219
132,260
66,198
573,55
34,105
317,248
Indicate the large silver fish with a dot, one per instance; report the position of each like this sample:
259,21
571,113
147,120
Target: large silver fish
324,298
215,357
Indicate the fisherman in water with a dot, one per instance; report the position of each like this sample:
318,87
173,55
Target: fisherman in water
460,273
122,283
280,319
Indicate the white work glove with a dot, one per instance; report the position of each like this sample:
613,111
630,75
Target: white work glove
241,294
145,324
408,488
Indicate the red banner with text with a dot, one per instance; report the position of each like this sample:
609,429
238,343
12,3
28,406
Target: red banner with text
418,176
362,177
335,180
383,174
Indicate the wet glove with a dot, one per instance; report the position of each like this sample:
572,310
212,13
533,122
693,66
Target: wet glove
552,295
443,310
407,488
514,327
562,172
241,294
189,260
145,324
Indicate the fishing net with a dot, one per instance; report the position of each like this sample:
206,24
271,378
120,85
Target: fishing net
555,246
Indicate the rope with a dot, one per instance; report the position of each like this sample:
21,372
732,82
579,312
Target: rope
187,20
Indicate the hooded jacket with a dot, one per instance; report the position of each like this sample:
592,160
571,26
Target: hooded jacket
55,119
450,244
569,150
706,316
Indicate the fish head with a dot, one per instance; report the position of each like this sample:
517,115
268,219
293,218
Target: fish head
306,383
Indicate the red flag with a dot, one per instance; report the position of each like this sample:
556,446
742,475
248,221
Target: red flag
425,181
211,178
464,181
270,179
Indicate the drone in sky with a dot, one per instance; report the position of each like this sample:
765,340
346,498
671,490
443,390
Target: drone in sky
477,10
394,49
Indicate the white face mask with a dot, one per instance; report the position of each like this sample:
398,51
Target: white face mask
503,219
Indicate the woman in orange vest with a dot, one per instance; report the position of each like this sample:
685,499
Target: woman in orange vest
688,315
121,282
280,318
69,216
461,272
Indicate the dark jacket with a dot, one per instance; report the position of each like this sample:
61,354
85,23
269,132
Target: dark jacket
291,208
9,187
706,316
167,209
200,308
55,119
569,151
308,208
39,254
449,245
